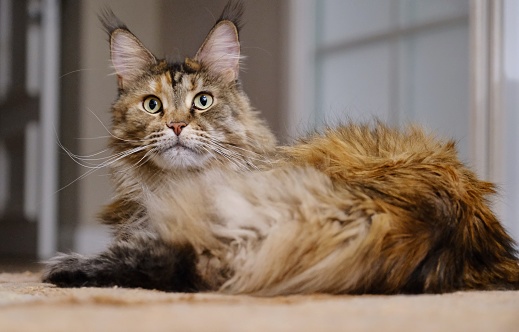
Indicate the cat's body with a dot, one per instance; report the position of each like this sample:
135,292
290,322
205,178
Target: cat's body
205,201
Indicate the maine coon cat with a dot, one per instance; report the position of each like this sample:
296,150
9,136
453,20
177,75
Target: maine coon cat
205,201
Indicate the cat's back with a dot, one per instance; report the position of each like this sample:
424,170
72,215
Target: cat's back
361,148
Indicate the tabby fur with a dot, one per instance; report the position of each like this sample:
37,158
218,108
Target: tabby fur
205,201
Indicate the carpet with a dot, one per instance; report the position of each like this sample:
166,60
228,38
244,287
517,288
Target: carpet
26,304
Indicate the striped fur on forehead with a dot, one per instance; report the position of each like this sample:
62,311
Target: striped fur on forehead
178,70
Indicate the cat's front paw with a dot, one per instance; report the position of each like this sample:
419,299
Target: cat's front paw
66,270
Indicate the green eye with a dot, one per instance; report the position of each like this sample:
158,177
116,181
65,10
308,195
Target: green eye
152,104
203,101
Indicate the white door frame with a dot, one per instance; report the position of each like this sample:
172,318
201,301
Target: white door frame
487,118
49,129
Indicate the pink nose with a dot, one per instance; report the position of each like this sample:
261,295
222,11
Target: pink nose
177,127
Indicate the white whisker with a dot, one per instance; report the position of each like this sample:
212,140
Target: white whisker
76,71
109,132
109,161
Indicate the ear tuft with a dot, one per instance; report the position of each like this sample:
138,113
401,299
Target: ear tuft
233,11
220,52
110,22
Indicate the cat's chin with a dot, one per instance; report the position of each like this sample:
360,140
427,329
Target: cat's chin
180,157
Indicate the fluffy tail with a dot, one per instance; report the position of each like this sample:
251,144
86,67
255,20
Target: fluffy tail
442,235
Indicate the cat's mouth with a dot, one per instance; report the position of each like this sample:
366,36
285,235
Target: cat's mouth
177,155
179,148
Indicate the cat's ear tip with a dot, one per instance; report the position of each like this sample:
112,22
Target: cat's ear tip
120,31
229,26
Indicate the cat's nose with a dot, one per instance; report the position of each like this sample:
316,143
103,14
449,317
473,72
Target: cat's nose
177,127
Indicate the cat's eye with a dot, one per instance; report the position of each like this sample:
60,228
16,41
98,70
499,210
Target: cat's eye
152,104
202,101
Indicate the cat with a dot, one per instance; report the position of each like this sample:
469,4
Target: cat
206,200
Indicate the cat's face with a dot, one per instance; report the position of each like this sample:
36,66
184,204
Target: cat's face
184,115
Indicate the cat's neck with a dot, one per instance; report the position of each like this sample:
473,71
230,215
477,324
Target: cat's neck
133,182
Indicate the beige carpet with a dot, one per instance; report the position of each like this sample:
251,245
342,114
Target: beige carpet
28,305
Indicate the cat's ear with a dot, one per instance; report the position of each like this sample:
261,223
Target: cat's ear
130,58
220,52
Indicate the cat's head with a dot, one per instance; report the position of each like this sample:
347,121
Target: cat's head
186,115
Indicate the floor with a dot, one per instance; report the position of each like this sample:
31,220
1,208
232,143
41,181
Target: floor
26,304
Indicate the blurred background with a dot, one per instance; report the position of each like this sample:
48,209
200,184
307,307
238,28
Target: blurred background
451,65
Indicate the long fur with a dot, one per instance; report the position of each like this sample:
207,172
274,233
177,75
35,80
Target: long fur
358,208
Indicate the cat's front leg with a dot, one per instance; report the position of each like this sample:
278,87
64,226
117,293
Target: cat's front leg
139,262
69,270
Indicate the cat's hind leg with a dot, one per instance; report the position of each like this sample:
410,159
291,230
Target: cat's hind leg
144,262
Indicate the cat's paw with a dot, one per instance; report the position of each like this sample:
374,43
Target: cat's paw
66,270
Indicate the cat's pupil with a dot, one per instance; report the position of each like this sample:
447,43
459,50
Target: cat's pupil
203,100
153,104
